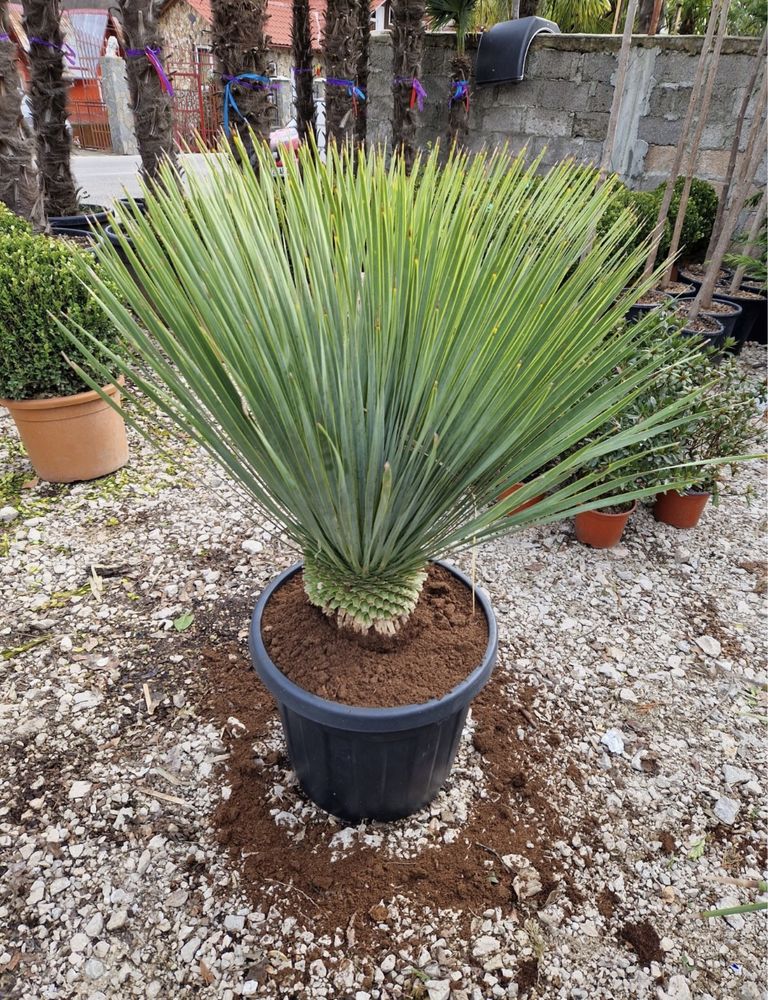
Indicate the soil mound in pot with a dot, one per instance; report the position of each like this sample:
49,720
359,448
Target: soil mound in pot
442,642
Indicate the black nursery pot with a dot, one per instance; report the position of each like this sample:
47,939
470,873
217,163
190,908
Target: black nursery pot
84,221
735,325
370,763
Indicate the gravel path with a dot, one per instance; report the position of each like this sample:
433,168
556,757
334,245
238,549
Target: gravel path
647,660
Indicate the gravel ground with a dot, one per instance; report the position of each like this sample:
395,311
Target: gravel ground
648,658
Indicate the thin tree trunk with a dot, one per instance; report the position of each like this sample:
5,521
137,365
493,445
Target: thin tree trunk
363,35
645,14
301,45
19,181
617,15
690,162
682,143
458,110
150,102
240,43
749,90
48,94
658,9
754,231
407,55
337,37
750,162
618,91
515,12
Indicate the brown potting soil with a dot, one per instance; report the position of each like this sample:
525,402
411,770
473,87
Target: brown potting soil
678,287
82,241
720,308
702,323
698,271
724,288
442,642
520,814
653,297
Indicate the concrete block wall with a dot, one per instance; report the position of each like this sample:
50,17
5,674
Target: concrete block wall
561,108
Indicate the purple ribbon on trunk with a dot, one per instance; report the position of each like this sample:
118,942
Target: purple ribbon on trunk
418,93
67,50
4,37
153,56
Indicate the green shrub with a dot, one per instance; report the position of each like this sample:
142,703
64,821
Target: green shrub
11,223
699,216
38,276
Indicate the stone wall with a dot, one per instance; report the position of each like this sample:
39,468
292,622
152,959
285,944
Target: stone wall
562,106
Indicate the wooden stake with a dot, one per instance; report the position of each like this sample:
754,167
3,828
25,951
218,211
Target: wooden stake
749,249
682,143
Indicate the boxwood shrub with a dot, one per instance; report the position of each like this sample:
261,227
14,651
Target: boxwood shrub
39,277
12,223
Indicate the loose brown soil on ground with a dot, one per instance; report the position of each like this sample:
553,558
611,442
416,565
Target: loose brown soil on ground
644,940
519,815
444,639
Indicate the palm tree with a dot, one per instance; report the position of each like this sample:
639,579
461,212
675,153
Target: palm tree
19,181
240,43
339,53
301,50
407,53
362,53
149,88
48,94
459,13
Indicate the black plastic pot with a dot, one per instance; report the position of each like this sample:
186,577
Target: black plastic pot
683,275
636,312
70,232
111,236
733,324
370,763
714,339
84,221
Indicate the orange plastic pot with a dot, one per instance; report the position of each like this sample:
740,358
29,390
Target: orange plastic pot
71,438
601,530
523,506
681,510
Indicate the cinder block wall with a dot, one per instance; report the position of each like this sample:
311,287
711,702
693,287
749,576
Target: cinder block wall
562,106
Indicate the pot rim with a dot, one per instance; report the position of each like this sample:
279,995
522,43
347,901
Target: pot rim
686,493
56,402
360,718
606,513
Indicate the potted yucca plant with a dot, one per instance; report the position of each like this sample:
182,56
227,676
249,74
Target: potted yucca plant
68,430
375,365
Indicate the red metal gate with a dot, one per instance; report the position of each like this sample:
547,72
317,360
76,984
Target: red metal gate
197,102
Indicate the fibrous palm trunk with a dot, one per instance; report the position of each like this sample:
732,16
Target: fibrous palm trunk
19,181
240,42
150,100
48,94
407,54
338,46
458,110
362,53
301,46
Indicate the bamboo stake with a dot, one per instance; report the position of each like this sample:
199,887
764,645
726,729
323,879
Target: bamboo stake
751,246
682,143
728,179
655,15
622,67
752,158
690,160
617,15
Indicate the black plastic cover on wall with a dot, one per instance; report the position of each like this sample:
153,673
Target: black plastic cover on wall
503,50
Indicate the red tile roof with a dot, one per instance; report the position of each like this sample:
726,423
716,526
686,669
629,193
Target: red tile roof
281,16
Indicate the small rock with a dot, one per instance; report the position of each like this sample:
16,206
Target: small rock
438,989
707,644
79,789
613,740
726,810
79,942
251,546
177,898
678,989
187,953
59,885
388,964
485,945
734,920
94,968
736,775
117,920
627,694
8,514
317,969
234,922
95,925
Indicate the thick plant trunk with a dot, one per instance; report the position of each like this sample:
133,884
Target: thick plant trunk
150,103
529,8
458,111
407,54
48,94
240,43
301,50
363,49
338,45
19,181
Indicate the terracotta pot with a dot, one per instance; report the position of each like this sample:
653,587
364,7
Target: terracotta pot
681,510
601,530
71,438
523,506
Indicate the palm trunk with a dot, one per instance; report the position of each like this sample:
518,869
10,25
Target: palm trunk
407,54
458,111
339,65
19,181
690,164
682,144
749,91
363,36
240,43
151,105
48,94
301,46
